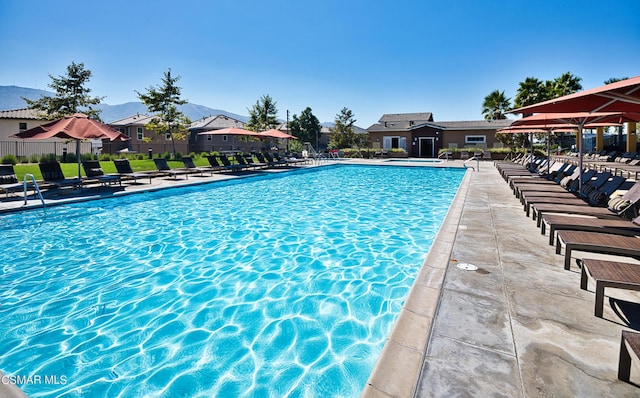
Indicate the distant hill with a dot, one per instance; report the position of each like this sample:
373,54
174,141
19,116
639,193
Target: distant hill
11,98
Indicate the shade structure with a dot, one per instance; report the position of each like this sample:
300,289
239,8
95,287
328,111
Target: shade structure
77,127
622,96
273,133
538,129
231,131
578,119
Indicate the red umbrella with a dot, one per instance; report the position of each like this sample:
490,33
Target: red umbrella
273,133
578,119
231,131
622,96
77,126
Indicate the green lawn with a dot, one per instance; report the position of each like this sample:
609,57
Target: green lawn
71,169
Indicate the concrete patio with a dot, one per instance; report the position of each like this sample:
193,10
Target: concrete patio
518,326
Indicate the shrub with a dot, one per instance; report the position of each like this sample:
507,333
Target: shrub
9,159
140,157
166,155
34,159
105,157
49,158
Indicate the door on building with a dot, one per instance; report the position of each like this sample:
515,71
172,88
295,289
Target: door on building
427,147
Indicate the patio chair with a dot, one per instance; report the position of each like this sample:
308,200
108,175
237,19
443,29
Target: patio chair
242,161
249,159
593,193
269,162
614,274
125,172
190,166
9,181
163,166
54,177
94,172
629,343
596,242
215,164
226,162
624,206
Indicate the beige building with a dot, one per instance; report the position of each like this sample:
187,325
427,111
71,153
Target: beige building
420,136
142,140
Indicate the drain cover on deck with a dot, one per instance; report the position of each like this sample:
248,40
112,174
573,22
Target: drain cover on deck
467,266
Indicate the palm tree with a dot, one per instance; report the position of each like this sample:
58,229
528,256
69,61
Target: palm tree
567,83
531,91
495,106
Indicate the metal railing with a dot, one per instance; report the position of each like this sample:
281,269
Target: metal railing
35,187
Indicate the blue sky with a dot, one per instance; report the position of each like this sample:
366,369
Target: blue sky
371,56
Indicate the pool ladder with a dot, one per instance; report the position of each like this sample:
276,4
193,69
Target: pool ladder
35,187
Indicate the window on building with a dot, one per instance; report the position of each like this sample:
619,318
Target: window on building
22,126
209,137
224,138
475,139
389,142
168,136
140,132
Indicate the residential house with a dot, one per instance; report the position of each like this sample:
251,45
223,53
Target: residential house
420,136
223,142
142,140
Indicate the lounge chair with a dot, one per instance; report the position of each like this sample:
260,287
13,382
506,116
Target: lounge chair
242,161
561,222
215,164
226,162
269,162
125,172
594,193
163,166
625,206
273,161
53,176
249,159
615,274
629,343
190,166
94,172
9,181
596,242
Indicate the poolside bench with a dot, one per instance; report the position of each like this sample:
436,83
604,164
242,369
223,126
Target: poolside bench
613,274
629,344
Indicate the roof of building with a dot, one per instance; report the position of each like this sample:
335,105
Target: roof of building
475,124
215,122
133,120
23,113
411,121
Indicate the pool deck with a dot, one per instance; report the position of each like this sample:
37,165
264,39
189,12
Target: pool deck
518,326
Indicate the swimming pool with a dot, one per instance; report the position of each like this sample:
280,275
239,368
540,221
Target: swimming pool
268,286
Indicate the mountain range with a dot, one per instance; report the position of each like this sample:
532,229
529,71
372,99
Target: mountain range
11,98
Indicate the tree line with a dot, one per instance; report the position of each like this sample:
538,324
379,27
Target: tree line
530,91
72,96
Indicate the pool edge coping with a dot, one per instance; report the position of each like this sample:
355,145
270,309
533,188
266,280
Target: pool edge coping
398,368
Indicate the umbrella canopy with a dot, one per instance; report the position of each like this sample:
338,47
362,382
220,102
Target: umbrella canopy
77,127
622,96
231,131
578,119
273,133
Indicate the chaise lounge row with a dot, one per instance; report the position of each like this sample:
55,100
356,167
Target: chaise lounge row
600,217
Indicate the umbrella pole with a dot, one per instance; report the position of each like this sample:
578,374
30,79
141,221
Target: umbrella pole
580,156
78,157
548,150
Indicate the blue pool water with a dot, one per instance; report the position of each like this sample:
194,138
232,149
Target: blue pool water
267,286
